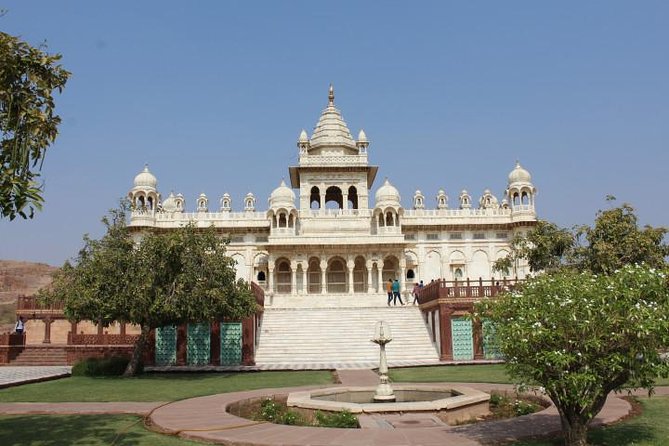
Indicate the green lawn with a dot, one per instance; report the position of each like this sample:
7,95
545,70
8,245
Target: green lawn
649,429
486,373
158,387
83,430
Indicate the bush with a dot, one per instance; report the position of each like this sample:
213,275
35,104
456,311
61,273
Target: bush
343,419
270,410
112,366
292,418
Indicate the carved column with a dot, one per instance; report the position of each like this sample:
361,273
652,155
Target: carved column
380,283
47,330
270,279
369,265
344,204
350,266
304,280
293,278
324,277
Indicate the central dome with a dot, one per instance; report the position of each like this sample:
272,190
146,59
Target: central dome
519,175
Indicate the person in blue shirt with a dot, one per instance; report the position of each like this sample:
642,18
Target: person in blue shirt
396,292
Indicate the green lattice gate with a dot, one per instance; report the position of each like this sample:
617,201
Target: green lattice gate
463,340
231,343
166,345
490,348
198,346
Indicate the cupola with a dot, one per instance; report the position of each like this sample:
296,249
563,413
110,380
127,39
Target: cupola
387,195
282,196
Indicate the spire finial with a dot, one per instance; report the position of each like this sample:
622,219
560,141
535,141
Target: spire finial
331,96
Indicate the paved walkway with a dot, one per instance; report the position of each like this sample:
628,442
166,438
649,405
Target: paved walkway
14,376
205,418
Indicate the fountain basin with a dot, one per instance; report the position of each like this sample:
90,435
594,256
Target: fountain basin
463,401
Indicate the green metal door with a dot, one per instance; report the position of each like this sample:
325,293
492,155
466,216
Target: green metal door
166,345
198,346
490,348
463,340
231,343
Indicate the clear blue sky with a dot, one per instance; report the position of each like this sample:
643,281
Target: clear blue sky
213,96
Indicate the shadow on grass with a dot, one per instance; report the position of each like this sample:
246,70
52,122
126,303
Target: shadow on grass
58,430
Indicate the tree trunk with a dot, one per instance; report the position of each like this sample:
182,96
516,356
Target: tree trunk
138,352
575,431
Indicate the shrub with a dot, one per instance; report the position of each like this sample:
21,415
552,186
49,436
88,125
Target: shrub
522,408
292,418
343,419
270,410
112,366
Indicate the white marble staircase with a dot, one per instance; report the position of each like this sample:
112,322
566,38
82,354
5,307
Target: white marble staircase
294,335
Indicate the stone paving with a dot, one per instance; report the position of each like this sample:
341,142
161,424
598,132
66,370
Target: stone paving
205,418
13,376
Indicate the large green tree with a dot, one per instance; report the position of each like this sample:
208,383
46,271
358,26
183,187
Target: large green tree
581,336
592,320
173,277
28,78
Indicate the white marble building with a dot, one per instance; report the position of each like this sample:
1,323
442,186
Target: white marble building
323,233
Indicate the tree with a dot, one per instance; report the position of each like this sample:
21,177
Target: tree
168,278
615,240
582,336
593,320
28,78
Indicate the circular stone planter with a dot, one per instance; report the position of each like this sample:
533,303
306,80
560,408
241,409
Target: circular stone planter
456,403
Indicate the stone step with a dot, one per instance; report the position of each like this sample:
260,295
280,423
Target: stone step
341,333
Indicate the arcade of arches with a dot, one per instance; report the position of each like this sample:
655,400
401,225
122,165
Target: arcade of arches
333,275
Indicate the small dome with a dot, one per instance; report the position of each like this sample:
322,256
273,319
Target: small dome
362,137
170,204
282,196
145,179
203,195
418,192
519,175
303,136
387,195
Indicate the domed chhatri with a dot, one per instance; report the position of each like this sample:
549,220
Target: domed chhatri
146,179
282,196
519,175
387,195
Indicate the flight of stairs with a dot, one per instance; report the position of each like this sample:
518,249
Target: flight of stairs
339,337
40,356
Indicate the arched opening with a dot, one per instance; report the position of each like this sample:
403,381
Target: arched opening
282,220
315,198
149,203
334,198
336,276
390,269
352,198
410,274
525,199
314,276
389,219
140,201
360,275
283,277
261,277
458,273
516,199
381,222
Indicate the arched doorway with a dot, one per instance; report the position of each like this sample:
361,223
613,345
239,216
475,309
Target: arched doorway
283,277
360,275
390,269
336,276
314,276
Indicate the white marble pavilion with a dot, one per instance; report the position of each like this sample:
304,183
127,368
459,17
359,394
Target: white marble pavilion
324,234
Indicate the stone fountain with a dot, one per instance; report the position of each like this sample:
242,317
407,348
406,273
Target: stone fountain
382,335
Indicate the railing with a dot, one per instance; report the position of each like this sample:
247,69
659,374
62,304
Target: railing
417,213
31,303
259,294
455,289
101,339
12,339
333,160
336,213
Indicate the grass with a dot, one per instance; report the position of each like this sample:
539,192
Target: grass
648,429
158,387
485,373
83,430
